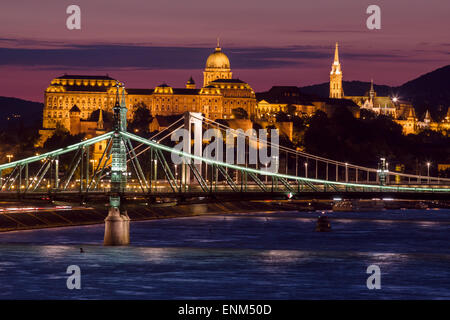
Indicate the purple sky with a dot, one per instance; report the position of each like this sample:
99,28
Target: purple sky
283,42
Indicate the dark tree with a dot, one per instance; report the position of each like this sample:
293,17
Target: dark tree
239,113
141,119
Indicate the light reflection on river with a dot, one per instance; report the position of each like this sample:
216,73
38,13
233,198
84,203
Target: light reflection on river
243,256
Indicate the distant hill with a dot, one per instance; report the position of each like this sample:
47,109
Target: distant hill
430,91
13,110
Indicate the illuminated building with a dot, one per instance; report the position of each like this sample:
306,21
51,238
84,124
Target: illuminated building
72,101
217,67
336,89
399,110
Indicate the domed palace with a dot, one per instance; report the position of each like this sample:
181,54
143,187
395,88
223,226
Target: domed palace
217,98
217,67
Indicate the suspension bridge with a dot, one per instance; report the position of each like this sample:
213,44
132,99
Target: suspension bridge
135,167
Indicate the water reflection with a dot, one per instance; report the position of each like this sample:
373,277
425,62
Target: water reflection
254,256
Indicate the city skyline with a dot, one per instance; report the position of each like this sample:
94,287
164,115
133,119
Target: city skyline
288,43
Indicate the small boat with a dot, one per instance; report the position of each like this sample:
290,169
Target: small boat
421,205
323,224
344,205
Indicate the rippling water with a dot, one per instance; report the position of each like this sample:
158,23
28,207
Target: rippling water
242,256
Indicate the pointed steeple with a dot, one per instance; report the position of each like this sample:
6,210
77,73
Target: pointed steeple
116,110
371,91
336,54
427,118
123,111
412,114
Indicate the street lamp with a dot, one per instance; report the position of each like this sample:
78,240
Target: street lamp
306,169
428,171
9,156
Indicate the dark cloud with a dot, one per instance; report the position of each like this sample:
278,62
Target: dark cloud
152,57
136,56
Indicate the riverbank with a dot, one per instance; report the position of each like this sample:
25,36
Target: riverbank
89,215
33,216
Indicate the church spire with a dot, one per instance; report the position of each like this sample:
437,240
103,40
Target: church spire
336,89
336,54
427,118
372,91
412,114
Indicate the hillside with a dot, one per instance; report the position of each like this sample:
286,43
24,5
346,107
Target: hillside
431,90
14,111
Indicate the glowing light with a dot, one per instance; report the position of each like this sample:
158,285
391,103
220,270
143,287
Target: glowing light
236,167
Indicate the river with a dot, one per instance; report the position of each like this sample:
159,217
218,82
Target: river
239,256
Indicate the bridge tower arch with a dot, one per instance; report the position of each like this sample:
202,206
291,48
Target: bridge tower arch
193,124
117,223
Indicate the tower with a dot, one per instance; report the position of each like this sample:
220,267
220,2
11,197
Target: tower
371,91
117,223
336,89
99,147
412,115
427,118
75,121
217,66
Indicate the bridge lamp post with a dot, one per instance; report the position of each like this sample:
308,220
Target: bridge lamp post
266,174
346,172
9,156
155,166
93,165
428,171
176,173
306,169
387,172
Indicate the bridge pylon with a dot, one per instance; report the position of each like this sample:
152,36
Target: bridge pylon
193,125
117,223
